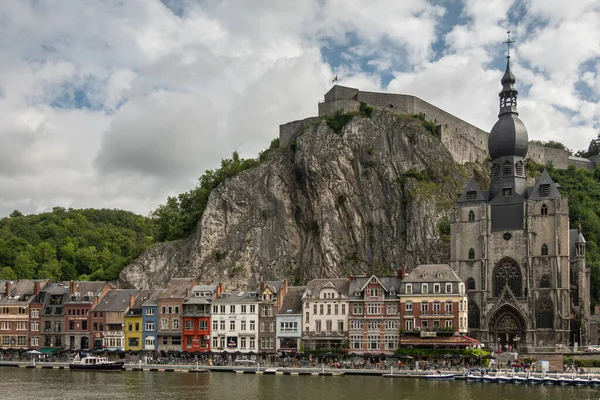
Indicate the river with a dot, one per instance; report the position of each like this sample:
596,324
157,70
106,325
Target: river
21,383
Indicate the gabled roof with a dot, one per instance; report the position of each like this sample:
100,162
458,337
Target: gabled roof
116,300
389,284
472,186
341,285
545,179
431,273
143,297
82,288
153,298
21,291
274,286
292,302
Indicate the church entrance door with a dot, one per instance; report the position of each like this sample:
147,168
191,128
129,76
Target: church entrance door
508,328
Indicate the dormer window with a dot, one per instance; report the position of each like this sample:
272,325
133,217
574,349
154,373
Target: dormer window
471,194
448,288
545,190
409,288
436,288
357,293
424,288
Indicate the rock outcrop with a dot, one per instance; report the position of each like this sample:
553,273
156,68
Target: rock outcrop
371,198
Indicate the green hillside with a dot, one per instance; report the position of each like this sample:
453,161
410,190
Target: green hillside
72,244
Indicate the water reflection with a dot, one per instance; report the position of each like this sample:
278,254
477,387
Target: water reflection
19,383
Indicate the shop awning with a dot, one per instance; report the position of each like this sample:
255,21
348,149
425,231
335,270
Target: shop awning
48,350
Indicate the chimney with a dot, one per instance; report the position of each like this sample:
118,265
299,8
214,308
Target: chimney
72,287
37,286
220,289
7,288
351,277
403,272
131,300
187,292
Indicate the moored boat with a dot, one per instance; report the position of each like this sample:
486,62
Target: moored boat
579,381
438,376
503,379
564,381
489,379
548,380
92,363
518,379
534,380
474,378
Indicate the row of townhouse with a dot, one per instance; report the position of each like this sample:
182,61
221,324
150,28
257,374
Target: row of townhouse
361,313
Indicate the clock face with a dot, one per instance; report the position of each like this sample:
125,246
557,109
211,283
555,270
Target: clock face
506,236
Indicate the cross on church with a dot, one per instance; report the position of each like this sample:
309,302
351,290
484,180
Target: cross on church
508,43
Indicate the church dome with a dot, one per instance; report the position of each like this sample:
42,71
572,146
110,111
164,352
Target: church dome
508,137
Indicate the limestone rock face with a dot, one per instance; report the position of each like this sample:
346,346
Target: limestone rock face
370,198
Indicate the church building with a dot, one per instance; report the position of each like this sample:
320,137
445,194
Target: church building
523,267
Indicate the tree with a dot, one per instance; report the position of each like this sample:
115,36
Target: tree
8,274
16,214
25,266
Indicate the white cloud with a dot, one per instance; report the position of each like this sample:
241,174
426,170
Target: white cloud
164,96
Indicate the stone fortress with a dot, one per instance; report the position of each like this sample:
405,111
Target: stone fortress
464,141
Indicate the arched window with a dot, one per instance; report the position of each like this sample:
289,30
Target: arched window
471,284
471,254
544,210
473,315
471,216
545,282
545,314
507,272
495,171
544,249
519,168
506,168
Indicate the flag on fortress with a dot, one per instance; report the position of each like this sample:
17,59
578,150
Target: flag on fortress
334,79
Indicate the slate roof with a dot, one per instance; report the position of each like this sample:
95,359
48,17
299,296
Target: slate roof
116,300
192,299
82,288
143,296
153,298
390,283
431,273
237,296
545,179
177,288
340,284
472,186
274,286
21,291
292,302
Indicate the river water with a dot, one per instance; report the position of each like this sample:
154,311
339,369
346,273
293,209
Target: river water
21,383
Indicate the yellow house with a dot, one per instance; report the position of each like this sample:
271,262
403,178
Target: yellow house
133,322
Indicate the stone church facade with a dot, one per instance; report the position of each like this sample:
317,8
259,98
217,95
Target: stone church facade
524,268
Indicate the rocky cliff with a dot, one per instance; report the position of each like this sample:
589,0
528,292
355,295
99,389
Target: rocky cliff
369,198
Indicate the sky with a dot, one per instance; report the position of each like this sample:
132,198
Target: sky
119,104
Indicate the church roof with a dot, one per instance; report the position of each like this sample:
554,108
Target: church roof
472,193
552,188
509,136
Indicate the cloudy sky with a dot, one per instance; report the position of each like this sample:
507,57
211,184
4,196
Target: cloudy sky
119,104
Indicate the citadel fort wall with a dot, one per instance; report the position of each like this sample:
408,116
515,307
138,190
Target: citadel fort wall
465,142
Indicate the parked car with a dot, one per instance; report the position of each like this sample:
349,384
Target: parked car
592,348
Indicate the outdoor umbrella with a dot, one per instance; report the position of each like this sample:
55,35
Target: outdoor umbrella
34,352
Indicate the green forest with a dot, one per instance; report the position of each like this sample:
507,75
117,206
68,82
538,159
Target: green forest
72,244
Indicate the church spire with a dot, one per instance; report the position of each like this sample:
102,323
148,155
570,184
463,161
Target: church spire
508,95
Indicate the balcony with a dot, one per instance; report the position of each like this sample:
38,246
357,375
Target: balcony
113,333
